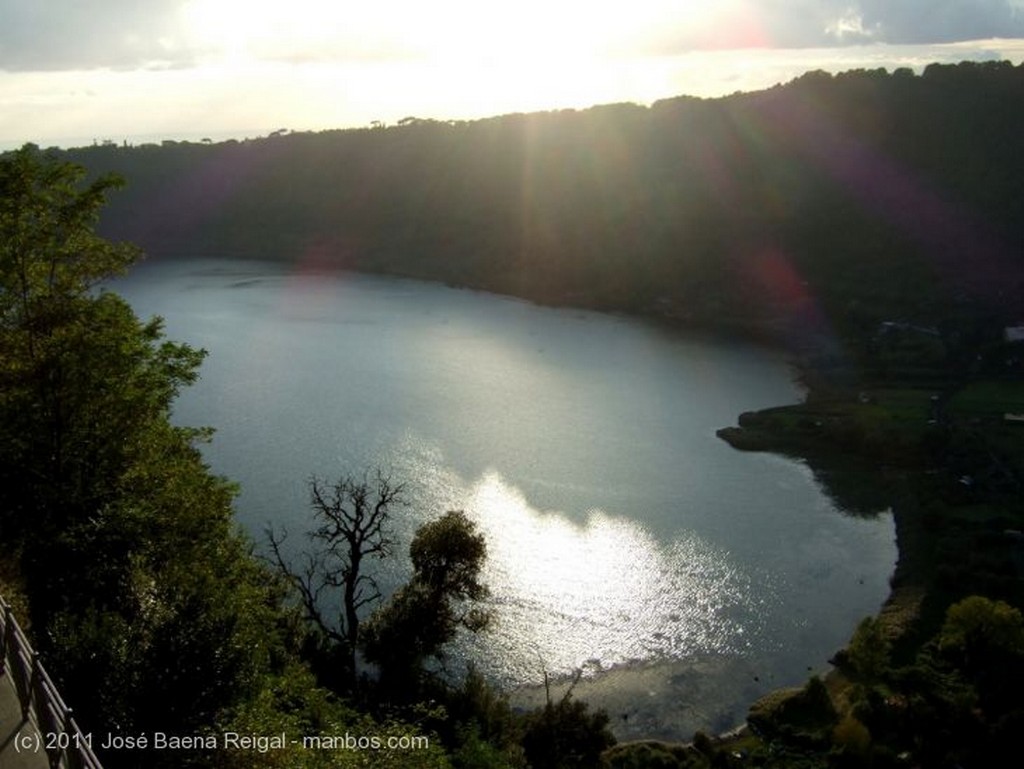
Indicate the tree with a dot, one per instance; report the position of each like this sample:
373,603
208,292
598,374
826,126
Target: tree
447,555
977,629
867,658
81,378
137,580
566,735
352,518
984,640
424,615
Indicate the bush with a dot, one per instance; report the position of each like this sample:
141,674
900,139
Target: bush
852,737
566,735
804,716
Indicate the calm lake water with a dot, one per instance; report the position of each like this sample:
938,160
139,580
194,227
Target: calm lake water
623,535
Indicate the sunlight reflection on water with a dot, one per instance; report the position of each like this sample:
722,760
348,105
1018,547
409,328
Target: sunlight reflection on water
602,592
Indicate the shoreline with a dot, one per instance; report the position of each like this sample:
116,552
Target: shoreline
665,701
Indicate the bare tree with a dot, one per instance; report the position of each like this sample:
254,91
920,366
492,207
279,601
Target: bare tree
352,525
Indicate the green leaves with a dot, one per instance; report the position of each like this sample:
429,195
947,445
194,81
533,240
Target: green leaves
80,376
138,580
447,555
867,658
47,215
978,627
425,614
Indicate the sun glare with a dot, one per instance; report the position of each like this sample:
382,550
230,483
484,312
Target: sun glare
320,60
457,58
258,29
471,32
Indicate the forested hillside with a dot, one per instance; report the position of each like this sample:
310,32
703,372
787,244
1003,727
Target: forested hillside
836,201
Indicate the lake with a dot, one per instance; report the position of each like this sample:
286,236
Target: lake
624,538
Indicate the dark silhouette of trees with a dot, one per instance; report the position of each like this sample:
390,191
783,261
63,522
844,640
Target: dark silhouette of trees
353,524
425,614
878,196
566,735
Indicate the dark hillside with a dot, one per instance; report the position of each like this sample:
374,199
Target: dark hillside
828,204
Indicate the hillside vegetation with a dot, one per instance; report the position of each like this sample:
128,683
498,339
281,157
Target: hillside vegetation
816,208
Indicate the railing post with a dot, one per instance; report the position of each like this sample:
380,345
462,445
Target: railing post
5,637
33,681
73,752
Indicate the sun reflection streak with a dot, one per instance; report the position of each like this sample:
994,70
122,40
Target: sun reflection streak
602,591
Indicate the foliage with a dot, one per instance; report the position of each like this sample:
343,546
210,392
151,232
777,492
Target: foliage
425,614
852,737
978,629
820,208
474,752
137,580
291,703
652,755
956,702
803,716
566,735
447,555
867,657
82,381
984,640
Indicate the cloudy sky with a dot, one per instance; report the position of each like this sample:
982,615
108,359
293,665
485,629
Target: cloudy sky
74,71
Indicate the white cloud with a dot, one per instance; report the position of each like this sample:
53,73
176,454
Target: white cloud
124,34
850,27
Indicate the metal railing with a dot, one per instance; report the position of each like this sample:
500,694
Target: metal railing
66,746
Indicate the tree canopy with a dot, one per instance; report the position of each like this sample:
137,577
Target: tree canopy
425,614
137,580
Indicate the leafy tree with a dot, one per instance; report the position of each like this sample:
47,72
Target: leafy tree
566,734
352,519
867,658
984,639
426,613
137,580
447,556
80,377
977,628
